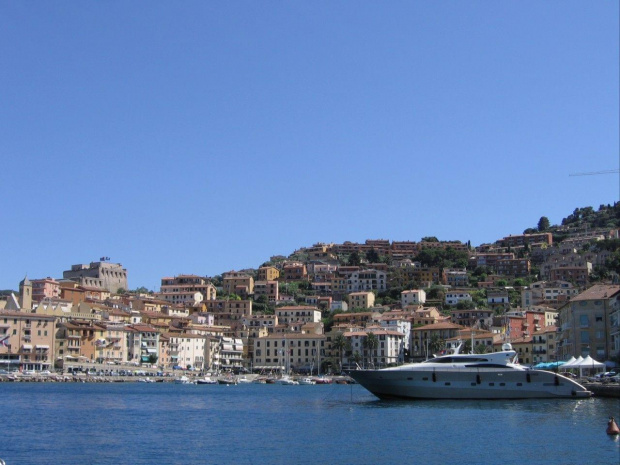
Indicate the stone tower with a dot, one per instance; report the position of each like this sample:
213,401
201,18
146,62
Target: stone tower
25,294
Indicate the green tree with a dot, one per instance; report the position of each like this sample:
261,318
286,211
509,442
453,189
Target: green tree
340,344
152,359
481,349
372,256
436,344
354,259
543,223
370,344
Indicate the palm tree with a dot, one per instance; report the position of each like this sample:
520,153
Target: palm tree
436,344
480,349
370,343
340,343
357,358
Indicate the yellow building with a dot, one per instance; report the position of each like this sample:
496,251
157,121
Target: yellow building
361,300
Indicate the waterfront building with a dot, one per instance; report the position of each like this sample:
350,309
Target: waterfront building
110,343
389,349
524,347
585,324
423,336
289,351
544,345
398,321
190,350
143,343
231,352
27,340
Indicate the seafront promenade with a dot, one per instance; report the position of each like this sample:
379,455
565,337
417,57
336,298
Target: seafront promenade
165,377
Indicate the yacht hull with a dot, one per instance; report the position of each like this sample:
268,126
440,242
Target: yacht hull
481,383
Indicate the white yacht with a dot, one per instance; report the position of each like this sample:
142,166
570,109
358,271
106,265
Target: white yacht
287,380
182,380
468,376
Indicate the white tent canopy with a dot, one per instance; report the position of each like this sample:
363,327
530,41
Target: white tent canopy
569,362
573,362
588,363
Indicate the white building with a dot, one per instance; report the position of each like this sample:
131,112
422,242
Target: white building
389,350
400,325
412,297
189,350
298,314
290,351
367,280
454,297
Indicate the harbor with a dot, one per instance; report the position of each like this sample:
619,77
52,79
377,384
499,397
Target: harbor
135,423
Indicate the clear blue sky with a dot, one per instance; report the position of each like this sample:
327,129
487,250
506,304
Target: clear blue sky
200,137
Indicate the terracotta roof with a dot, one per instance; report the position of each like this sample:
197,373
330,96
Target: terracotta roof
598,291
293,336
442,325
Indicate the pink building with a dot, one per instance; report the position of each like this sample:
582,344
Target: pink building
47,287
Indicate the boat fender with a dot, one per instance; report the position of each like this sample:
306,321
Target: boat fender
556,380
434,377
612,427
478,380
528,378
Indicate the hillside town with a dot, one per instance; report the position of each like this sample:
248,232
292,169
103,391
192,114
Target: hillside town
329,307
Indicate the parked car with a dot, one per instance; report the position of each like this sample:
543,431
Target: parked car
45,373
4,372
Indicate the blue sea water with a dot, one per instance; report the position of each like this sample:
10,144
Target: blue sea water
136,423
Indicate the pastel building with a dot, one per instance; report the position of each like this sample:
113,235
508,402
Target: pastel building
412,297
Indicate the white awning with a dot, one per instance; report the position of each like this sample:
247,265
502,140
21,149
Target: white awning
151,351
42,346
27,346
